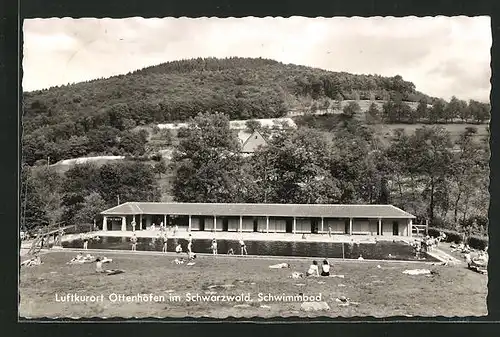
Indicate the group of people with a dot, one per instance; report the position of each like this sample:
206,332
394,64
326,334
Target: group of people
243,248
314,269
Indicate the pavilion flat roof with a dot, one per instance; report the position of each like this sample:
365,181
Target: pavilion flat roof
276,210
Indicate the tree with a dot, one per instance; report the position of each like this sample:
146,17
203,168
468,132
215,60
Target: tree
351,110
293,168
48,187
93,205
479,111
338,101
452,109
160,167
464,111
422,110
468,168
372,114
31,205
432,160
207,162
252,125
436,112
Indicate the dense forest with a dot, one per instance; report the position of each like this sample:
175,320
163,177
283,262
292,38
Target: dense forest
100,116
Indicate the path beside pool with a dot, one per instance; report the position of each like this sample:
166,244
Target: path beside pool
253,236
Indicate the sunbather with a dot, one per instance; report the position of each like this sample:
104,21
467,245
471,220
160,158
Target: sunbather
99,269
279,266
34,261
313,269
325,268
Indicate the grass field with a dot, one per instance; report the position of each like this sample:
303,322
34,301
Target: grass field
380,292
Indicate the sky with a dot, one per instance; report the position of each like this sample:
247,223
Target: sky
442,56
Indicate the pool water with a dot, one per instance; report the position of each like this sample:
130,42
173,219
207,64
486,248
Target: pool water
382,250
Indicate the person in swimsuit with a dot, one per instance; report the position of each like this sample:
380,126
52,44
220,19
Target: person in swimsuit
243,247
214,247
325,268
178,249
189,248
133,240
165,242
313,269
85,241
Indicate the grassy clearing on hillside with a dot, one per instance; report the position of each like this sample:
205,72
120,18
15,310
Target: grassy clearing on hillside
381,292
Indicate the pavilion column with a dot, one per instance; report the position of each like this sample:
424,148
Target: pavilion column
322,224
241,224
267,224
105,224
215,223
294,225
189,223
410,226
350,226
140,221
124,223
379,226
164,220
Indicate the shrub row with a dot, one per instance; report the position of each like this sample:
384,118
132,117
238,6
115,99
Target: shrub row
474,241
451,235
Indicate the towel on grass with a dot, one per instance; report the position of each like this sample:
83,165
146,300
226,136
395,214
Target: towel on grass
417,272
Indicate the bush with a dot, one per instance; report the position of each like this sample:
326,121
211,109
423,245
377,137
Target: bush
451,235
477,242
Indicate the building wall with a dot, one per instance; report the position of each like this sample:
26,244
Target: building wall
195,224
247,225
233,224
360,226
303,226
373,225
277,225
337,225
261,224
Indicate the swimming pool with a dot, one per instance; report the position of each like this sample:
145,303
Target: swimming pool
382,250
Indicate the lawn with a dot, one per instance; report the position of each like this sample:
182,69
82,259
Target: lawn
380,292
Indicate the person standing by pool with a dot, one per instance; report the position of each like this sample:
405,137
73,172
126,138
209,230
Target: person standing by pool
329,231
189,248
176,229
165,240
133,240
85,241
214,246
133,225
325,268
243,247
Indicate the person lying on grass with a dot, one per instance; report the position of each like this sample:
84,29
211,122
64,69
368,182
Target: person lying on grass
98,268
313,269
34,261
279,266
82,259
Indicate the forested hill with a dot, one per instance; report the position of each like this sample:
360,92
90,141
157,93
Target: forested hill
73,120
239,87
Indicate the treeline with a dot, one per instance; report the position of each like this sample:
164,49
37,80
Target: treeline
397,111
241,88
424,173
79,195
